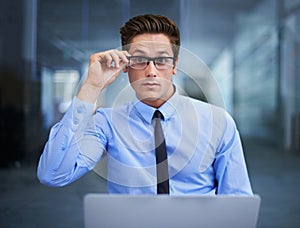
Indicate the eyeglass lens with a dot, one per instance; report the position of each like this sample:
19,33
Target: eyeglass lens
140,62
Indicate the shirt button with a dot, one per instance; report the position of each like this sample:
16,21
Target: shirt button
80,109
75,121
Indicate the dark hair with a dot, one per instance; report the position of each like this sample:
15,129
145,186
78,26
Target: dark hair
150,23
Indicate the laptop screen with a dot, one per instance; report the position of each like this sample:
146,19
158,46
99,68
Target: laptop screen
106,210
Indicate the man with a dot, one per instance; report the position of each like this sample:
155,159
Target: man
204,152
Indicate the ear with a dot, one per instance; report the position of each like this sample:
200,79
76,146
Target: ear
125,69
175,67
174,70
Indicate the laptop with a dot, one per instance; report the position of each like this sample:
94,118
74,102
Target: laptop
143,211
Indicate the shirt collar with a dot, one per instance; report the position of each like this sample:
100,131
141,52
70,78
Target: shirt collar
167,109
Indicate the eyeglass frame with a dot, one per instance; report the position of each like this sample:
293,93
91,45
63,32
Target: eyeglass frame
149,59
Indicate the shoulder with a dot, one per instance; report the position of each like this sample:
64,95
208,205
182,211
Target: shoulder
209,113
203,107
110,112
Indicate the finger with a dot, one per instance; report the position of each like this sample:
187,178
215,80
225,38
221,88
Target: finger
123,61
126,53
108,59
119,58
123,56
116,59
95,58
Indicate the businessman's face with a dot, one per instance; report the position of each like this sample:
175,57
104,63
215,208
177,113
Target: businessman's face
151,78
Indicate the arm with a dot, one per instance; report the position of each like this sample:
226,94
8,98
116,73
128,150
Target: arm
65,157
230,165
74,147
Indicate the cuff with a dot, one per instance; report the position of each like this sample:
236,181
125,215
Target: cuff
78,114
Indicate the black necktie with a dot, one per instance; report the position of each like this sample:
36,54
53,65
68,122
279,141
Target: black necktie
161,156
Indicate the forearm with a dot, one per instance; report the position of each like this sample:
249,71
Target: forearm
66,157
57,164
89,93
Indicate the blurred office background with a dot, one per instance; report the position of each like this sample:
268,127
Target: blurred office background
251,47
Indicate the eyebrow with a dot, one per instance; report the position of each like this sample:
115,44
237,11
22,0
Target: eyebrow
139,51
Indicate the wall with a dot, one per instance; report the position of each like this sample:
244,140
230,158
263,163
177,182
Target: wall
256,65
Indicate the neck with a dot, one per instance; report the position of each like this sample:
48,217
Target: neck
154,103
158,102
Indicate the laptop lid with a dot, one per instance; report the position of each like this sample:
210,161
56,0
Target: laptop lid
105,210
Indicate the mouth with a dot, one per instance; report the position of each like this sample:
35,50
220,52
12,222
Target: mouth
150,84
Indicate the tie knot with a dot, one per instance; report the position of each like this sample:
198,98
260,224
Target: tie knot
158,114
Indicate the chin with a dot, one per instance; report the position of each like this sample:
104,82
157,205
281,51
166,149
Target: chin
148,97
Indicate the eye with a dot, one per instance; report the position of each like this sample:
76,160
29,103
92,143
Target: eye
161,60
140,59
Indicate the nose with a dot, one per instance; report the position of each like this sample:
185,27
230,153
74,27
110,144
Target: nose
151,70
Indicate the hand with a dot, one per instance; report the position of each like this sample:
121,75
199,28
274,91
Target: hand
104,68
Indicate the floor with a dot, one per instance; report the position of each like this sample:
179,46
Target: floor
26,203
275,176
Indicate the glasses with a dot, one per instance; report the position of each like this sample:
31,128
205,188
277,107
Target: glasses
141,62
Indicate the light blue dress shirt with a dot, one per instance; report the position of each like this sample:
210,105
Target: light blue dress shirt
205,155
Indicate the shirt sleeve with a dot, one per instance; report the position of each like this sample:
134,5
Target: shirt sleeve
230,165
73,147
